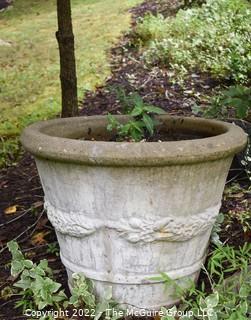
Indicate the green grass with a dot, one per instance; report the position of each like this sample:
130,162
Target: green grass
29,77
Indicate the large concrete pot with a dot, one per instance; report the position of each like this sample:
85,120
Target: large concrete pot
124,212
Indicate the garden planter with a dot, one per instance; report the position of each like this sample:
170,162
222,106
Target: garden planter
125,211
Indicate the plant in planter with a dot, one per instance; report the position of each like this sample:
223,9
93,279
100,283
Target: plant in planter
142,125
123,211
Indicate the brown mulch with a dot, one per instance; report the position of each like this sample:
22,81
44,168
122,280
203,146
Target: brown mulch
20,186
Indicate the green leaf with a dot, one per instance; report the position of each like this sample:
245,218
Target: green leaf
202,304
37,271
138,125
100,309
28,264
60,296
15,250
108,293
74,300
16,267
23,284
12,246
169,314
54,286
244,291
211,314
153,109
212,300
42,305
149,123
242,110
243,307
136,100
113,123
136,111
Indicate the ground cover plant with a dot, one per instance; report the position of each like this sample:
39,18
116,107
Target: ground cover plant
234,101
213,38
229,299
38,290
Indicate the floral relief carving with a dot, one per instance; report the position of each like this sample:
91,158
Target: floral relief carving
134,229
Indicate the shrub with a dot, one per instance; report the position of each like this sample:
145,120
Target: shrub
215,38
151,28
141,124
236,100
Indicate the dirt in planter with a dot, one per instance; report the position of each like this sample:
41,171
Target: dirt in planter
159,136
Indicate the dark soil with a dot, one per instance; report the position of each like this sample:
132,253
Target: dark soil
20,185
4,4
158,136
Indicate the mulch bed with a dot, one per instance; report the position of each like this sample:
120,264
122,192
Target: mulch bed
4,4
20,186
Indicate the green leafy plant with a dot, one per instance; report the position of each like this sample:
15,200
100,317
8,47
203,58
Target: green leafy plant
82,292
9,151
109,307
229,298
83,296
226,259
141,124
213,38
53,248
37,289
215,238
150,28
235,100
244,217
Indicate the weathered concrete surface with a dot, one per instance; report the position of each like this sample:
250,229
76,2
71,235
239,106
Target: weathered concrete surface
124,212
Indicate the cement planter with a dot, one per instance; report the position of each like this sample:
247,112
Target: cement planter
124,212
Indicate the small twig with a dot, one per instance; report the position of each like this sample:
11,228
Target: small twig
134,60
16,218
145,82
7,302
37,188
236,176
38,247
26,230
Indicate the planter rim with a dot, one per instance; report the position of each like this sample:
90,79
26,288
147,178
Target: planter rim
58,140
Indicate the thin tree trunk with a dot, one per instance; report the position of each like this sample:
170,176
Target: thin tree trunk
68,76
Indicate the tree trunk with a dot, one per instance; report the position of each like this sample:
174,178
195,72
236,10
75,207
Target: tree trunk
68,77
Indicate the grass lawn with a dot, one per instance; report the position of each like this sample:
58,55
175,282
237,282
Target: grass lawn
29,77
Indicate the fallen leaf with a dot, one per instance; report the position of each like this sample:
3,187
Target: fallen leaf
11,210
38,238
